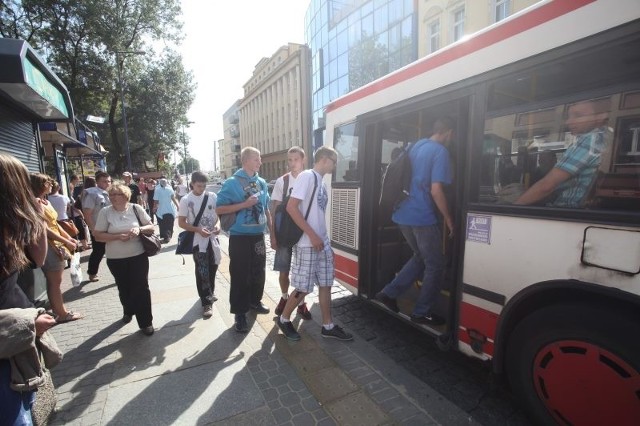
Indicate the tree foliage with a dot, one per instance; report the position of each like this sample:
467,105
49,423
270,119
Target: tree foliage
79,40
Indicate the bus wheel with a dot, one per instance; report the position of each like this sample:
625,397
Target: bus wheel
573,365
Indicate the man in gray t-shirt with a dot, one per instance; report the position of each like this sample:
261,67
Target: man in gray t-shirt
94,200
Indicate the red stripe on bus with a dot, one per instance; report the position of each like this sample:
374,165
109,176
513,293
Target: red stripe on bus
346,278
346,265
474,318
502,32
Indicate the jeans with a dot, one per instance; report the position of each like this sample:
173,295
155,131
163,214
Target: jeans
131,274
206,269
247,261
97,253
427,263
15,407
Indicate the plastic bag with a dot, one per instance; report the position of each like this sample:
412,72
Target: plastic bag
76,271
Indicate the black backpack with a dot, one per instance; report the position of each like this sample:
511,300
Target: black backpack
287,232
396,181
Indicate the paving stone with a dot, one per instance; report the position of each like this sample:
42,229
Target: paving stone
357,409
330,384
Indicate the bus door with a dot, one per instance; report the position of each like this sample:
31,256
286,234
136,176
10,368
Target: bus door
384,250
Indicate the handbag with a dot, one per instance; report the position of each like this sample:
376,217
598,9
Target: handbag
150,243
45,401
185,238
69,227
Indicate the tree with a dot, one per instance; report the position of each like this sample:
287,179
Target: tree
191,163
79,38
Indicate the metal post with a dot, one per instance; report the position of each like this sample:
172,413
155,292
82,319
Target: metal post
124,109
124,114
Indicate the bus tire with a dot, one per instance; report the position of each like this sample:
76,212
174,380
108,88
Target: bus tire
576,364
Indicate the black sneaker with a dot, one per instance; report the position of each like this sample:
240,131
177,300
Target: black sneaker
288,330
126,318
260,308
430,319
387,301
241,323
336,333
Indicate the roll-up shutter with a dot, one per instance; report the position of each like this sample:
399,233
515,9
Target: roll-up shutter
18,139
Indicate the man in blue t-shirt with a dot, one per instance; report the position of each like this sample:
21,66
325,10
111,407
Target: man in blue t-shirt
246,195
418,221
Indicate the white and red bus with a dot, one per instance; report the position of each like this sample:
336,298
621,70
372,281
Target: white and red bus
550,296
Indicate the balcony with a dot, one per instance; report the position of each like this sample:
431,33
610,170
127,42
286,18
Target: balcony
233,119
234,132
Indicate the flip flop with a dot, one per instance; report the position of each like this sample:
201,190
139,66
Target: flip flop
71,316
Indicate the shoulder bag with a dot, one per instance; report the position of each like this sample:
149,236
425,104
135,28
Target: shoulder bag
287,232
150,243
185,238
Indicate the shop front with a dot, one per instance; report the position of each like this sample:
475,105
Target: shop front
30,93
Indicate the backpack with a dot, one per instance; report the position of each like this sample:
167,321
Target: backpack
396,181
287,232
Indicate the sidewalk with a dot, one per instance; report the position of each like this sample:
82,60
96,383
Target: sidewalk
196,371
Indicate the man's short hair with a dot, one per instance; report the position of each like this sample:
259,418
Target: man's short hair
325,152
248,152
198,176
443,125
101,174
296,150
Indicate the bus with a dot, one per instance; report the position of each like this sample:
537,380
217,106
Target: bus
547,294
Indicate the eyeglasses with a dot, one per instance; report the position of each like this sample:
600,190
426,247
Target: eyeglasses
116,193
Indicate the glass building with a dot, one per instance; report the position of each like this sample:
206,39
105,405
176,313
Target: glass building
353,42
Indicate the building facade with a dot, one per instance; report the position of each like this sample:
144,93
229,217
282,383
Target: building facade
274,113
442,22
229,147
353,42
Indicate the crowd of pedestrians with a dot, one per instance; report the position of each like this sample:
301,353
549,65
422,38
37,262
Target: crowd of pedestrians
43,228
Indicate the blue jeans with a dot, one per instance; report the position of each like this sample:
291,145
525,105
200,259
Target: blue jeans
15,407
426,263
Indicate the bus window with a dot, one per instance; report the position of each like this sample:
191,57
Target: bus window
584,149
345,142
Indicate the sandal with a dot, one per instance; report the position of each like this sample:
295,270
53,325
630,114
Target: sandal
71,316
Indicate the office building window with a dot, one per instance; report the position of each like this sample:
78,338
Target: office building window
501,9
434,36
458,24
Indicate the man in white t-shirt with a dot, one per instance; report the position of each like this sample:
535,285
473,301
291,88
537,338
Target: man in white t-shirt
206,249
313,260
282,260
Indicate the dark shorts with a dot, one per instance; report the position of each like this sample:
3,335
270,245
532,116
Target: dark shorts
282,259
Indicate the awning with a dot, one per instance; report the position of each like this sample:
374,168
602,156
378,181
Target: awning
27,82
76,139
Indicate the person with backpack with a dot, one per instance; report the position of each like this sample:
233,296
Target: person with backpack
197,214
313,260
282,260
246,196
417,219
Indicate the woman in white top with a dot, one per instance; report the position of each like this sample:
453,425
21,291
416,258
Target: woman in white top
119,227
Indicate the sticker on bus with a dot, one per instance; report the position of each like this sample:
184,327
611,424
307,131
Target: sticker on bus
479,228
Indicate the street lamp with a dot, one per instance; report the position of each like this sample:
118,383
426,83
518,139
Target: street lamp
124,110
184,145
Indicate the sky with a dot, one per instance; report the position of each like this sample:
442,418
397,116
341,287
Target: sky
224,40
